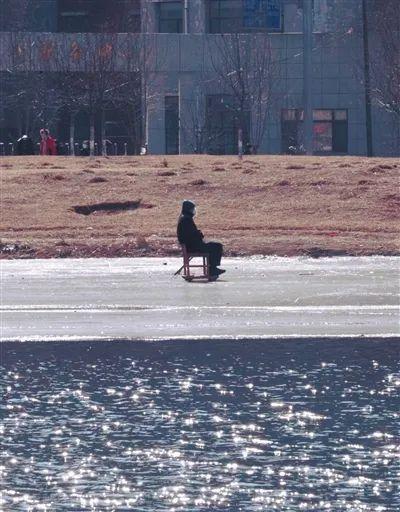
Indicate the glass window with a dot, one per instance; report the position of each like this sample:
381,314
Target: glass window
74,16
131,19
229,8
225,16
230,16
70,15
330,131
262,14
170,17
172,125
32,16
322,115
340,115
322,137
222,125
289,114
340,136
99,16
292,131
274,15
292,114
221,130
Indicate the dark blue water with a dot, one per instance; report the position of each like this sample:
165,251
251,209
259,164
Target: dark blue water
216,426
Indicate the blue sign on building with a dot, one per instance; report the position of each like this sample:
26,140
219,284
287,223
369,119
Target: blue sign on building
262,14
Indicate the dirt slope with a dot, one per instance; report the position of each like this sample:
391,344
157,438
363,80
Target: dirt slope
126,206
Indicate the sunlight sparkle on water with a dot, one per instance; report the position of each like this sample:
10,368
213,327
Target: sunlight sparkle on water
238,427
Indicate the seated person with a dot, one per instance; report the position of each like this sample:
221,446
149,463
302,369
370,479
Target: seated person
192,238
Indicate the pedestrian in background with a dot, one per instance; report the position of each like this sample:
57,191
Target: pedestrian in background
47,144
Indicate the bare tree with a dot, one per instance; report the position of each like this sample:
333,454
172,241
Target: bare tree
141,85
193,120
71,80
246,69
101,71
29,82
92,79
136,74
382,35
98,79
86,67
110,71
384,23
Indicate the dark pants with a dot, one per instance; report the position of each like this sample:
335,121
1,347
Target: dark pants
215,251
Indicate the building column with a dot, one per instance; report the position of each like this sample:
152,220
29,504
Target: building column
148,17
192,114
307,75
156,121
197,16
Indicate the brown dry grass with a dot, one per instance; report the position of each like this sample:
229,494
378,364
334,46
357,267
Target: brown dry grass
262,205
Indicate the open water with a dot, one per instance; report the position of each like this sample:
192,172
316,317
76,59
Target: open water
201,426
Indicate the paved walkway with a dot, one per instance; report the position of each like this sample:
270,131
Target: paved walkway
141,299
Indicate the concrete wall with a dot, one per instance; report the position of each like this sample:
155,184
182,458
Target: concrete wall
182,64
337,47
187,61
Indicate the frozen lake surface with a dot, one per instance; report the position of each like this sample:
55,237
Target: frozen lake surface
200,426
140,299
286,419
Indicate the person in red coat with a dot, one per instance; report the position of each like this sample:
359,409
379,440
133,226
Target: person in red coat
47,144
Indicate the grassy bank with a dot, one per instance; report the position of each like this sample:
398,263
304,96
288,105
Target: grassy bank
127,206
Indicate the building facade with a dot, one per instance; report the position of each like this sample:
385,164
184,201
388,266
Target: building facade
185,76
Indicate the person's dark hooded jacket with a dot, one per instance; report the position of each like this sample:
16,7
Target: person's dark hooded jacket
187,232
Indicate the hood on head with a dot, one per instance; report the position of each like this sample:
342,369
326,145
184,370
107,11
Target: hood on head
188,207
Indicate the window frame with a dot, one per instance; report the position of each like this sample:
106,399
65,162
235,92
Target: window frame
169,101
336,125
81,13
222,114
89,21
177,21
239,21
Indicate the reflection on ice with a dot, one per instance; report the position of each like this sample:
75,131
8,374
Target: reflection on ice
194,427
